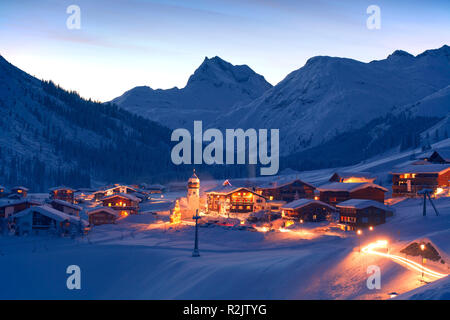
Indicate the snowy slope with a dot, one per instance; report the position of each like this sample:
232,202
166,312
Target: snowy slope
213,89
332,95
50,136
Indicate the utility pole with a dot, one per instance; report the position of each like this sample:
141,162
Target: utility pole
196,253
426,193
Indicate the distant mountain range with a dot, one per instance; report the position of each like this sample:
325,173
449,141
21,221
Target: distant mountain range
331,112
327,97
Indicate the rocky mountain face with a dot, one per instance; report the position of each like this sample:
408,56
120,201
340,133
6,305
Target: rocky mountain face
214,88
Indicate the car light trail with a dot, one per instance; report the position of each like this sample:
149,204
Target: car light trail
370,249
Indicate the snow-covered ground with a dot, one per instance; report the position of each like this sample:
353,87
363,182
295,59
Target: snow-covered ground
142,257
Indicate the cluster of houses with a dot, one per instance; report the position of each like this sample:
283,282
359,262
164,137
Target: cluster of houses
353,197
69,211
359,204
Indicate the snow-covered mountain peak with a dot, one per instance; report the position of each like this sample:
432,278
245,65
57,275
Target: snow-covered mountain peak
216,86
218,71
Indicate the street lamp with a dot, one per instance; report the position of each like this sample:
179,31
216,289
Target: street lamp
422,247
371,228
196,253
359,232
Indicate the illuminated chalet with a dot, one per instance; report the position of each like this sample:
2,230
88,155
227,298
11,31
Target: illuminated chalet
360,213
123,203
102,215
20,192
408,181
286,190
336,192
307,210
62,193
228,199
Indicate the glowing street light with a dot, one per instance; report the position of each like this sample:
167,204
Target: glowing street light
359,232
371,228
422,247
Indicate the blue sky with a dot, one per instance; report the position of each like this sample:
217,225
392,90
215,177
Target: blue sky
126,43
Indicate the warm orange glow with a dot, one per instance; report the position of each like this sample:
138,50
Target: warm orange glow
124,213
355,180
19,191
316,198
175,216
371,228
359,232
288,223
409,263
422,247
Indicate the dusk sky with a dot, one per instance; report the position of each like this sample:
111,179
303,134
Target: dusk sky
122,44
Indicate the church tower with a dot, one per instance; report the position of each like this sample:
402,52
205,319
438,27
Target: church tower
193,193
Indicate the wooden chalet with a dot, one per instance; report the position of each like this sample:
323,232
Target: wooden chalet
124,203
20,191
408,181
62,193
336,192
352,177
359,213
228,199
9,209
102,215
307,210
286,190
66,207
44,217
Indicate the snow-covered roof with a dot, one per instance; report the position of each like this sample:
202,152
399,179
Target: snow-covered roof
122,195
300,203
67,204
48,212
362,204
14,203
281,183
423,168
224,188
19,187
61,188
102,209
349,187
350,174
